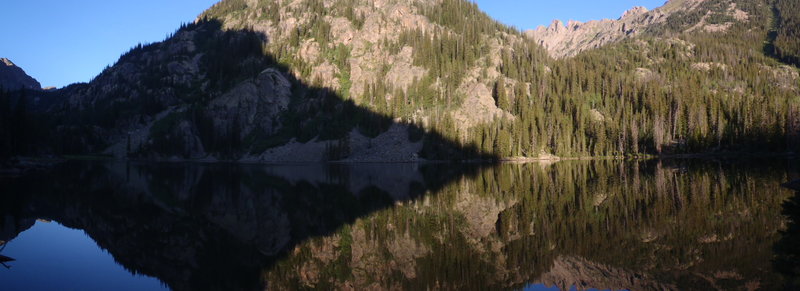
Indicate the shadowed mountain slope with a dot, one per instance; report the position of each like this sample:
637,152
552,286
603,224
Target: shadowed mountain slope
14,78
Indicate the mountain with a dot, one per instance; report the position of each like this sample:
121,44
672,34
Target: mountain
14,78
298,89
406,80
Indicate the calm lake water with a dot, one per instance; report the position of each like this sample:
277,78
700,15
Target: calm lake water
599,225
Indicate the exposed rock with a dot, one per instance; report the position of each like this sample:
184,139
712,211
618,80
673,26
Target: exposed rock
253,105
737,13
645,74
403,73
293,151
732,11
569,272
481,214
635,11
566,41
342,30
786,77
597,115
326,75
14,78
710,27
367,261
478,107
708,66
390,146
599,199
405,251
192,146
649,235
309,51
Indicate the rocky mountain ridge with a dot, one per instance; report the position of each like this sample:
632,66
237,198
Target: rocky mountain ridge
562,40
13,77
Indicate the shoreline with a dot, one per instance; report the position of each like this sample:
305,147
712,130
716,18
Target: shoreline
547,159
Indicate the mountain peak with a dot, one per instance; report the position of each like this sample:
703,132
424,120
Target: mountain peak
14,78
7,62
635,11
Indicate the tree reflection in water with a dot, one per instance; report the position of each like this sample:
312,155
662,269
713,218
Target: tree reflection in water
600,224
787,249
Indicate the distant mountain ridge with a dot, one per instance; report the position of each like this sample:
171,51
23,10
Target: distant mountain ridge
13,77
568,40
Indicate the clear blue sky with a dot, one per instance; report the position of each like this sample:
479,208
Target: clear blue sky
60,42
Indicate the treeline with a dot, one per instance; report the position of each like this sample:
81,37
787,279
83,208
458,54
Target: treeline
22,131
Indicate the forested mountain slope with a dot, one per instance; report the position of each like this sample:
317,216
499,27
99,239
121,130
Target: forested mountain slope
400,80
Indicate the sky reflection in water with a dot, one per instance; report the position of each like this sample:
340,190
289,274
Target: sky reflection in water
49,256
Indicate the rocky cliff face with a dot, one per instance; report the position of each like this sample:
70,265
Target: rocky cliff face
568,40
14,78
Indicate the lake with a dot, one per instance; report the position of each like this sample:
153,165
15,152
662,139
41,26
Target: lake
573,225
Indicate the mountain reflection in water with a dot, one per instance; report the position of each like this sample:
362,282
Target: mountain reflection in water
602,224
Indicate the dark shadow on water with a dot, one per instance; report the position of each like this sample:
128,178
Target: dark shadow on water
212,227
787,249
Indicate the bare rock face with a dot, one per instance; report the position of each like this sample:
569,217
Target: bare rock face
479,107
14,78
253,104
403,73
568,40
569,272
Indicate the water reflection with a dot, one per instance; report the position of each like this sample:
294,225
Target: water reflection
603,224
787,249
53,257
